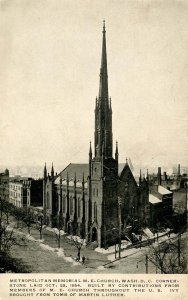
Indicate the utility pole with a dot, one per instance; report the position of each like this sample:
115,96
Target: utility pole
179,250
119,214
146,264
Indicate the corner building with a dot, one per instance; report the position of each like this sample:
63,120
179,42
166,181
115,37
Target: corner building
94,198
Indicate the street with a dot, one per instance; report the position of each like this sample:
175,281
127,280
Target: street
43,256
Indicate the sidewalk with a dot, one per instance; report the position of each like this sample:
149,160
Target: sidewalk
67,252
95,259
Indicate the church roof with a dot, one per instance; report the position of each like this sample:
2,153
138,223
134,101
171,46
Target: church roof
120,168
125,169
71,170
79,170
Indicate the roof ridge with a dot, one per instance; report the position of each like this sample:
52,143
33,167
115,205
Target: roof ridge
62,170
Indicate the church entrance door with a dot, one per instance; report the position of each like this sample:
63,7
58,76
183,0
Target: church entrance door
94,234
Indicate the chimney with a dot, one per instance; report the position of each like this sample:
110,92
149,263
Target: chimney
159,176
178,169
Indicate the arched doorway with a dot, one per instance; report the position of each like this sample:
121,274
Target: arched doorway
94,234
69,227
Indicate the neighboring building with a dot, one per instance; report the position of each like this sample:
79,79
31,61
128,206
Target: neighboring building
161,203
4,185
25,192
17,195
173,182
95,198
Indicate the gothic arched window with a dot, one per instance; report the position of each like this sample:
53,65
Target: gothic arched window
64,203
71,205
48,200
79,206
95,211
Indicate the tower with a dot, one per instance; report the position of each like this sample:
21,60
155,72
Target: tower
103,111
103,179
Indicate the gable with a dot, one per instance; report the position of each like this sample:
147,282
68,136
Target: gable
126,176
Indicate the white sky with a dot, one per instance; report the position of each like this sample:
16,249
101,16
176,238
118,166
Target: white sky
50,54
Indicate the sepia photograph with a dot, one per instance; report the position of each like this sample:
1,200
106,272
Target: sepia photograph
93,143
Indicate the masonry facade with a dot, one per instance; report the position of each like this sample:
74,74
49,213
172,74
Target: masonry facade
96,198
26,192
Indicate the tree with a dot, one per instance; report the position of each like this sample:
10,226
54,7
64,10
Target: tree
8,209
78,243
8,237
2,204
168,256
59,226
28,219
18,213
39,221
117,236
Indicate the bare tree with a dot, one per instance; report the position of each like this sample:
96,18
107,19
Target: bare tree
168,256
78,243
59,226
8,209
28,219
18,213
39,221
8,237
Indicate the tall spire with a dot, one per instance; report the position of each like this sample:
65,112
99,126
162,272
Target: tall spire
90,151
140,178
147,175
116,153
103,87
45,171
103,111
52,171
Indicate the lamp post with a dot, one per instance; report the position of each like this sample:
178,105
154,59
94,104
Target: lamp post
117,231
40,224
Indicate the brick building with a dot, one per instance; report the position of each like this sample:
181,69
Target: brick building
4,185
25,192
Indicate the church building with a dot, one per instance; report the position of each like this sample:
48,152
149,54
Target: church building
100,199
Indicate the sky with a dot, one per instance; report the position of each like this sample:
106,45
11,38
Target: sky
50,54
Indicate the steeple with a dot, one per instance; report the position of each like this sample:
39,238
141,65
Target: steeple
116,153
52,171
103,111
147,175
140,178
90,151
45,171
83,180
103,87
